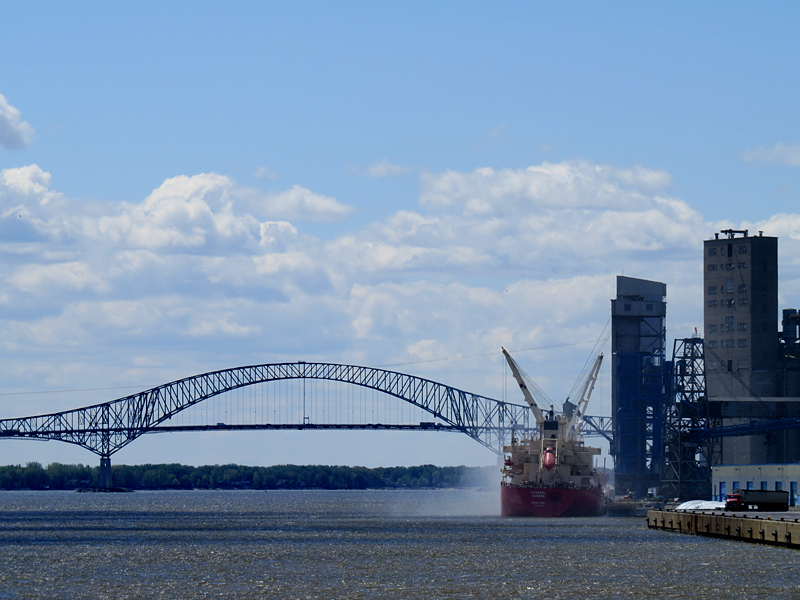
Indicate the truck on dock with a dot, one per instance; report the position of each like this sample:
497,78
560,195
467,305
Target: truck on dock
757,500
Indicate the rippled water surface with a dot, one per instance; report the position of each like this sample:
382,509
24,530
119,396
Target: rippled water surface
360,544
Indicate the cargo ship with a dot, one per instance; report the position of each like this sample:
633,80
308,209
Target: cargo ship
552,473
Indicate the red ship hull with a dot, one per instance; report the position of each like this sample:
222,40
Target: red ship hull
551,502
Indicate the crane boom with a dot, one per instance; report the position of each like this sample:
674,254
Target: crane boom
586,393
525,391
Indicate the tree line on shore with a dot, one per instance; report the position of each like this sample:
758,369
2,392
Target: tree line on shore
57,476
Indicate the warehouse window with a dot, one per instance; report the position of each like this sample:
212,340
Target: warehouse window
712,251
741,249
742,287
778,486
741,343
712,289
712,303
712,267
712,329
764,485
743,301
742,265
741,326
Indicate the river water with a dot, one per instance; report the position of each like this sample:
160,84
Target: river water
357,544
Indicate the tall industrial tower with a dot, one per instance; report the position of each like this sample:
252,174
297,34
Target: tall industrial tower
750,366
639,379
740,315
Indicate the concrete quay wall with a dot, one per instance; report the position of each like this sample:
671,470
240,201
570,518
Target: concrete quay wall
776,529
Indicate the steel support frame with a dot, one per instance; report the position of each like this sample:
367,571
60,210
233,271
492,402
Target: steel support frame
687,460
106,428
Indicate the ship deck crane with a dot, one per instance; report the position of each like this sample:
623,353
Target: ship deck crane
575,420
537,413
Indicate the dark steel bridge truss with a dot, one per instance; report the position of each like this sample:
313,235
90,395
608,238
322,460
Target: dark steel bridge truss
106,428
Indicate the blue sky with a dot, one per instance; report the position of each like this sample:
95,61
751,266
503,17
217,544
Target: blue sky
190,186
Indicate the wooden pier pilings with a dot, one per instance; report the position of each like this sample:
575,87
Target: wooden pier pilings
780,529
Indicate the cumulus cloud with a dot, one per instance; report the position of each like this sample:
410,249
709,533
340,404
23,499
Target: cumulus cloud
780,153
15,133
571,184
265,174
301,204
385,168
572,217
52,277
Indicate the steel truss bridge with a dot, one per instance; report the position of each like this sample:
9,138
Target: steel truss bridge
108,427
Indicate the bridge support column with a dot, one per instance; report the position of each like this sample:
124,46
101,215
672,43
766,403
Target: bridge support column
104,476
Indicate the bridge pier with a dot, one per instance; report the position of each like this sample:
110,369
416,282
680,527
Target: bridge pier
104,476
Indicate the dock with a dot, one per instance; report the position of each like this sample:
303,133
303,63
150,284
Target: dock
632,508
774,529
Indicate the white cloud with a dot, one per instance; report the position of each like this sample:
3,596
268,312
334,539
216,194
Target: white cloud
265,174
573,217
571,184
25,191
51,278
385,168
301,204
780,153
15,133
222,326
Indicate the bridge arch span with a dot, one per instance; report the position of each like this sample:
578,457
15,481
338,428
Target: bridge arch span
108,427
